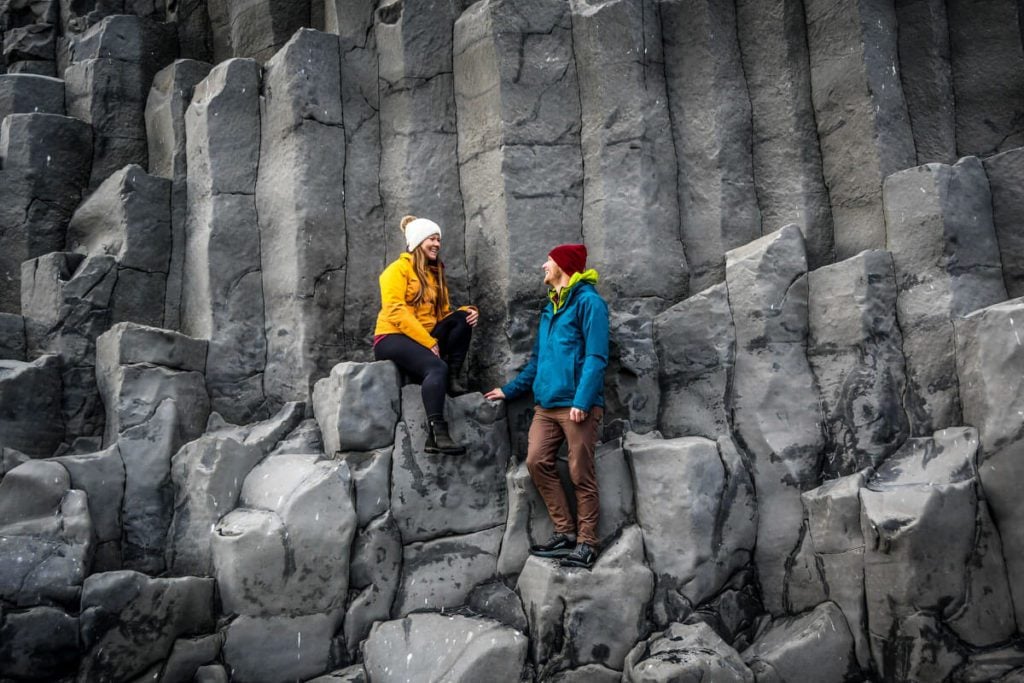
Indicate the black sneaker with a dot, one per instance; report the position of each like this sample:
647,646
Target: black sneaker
559,545
583,555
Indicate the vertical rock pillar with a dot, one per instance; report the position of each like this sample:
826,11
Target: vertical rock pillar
222,292
520,162
301,214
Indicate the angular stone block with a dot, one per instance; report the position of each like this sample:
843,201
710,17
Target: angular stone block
357,406
188,655
41,642
856,352
685,652
282,648
578,616
1006,181
711,125
374,574
469,648
129,38
35,42
792,647
102,476
863,125
944,247
371,475
255,28
28,93
631,394
12,337
30,403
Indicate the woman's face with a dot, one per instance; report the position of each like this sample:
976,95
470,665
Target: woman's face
431,247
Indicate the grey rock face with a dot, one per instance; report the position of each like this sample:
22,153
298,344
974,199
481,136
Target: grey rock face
695,342
441,573
128,38
863,126
776,413
371,474
26,45
786,156
989,356
29,93
792,647
29,396
374,572
685,652
130,621
692,548
943,244
627,150
165,135
280,648
101,475
1006,181
631,379
12,337
710,112
856,351
931,548
521,176
188,655
987,75
927,79
469,649
579,617
301,210
357,406
254,28
42,185
434,495
38,643
497,601
222,296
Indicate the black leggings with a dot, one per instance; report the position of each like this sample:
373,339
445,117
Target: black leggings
452,335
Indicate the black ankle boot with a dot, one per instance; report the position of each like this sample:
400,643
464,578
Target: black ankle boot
438,440
456,387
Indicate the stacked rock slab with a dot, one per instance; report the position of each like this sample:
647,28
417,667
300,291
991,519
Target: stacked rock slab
522,176
786,157
946,256
685,652
419,173
44,166
710,111
30,399
101,475
300,207
863,126
254,29
30,93
1005,174
222,293
774,395
166,105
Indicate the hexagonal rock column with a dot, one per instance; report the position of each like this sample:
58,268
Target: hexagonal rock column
301,214
987,58
943,244
222,296
30,402
358,406
129,38
856,351
696,509
818,641
40,186
274,649
990,360
374,574
579,617
685,652
131,621
254,28
628,156
29,93
31,49
931,551
419,165
696,346
786,155
711,126
165,135
102,476
129,218
863,126
522,176
775,399
469,649
1006,181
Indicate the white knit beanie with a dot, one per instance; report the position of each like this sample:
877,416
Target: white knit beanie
418,230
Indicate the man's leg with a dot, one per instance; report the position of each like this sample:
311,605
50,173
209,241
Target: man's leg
582,438
545,438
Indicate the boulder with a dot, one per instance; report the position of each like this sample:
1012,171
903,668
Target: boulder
30,403
495,600
579,617
279,648
684,652
697,512
818,641
357,406
41,642
468,649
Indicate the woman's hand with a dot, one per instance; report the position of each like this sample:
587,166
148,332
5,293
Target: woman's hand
472,316
495,395
436,350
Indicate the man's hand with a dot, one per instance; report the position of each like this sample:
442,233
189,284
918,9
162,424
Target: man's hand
577,415
495,395
472,316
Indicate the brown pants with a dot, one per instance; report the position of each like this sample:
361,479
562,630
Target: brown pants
550,427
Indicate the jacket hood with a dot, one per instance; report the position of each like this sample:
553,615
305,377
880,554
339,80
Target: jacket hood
558,298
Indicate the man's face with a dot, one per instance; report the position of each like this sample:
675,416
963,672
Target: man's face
552,273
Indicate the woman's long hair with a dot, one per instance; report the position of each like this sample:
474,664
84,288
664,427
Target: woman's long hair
422,268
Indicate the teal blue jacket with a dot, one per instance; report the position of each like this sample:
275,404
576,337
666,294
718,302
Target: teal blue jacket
566,367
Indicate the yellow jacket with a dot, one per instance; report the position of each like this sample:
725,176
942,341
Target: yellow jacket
398,315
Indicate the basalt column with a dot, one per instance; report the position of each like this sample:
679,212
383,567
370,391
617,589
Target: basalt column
520,162
222,293
301,214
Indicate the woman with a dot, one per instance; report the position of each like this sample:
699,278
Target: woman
417,329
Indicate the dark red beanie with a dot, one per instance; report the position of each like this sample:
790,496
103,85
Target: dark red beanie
572,258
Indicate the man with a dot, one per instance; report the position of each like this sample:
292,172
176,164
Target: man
566,374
